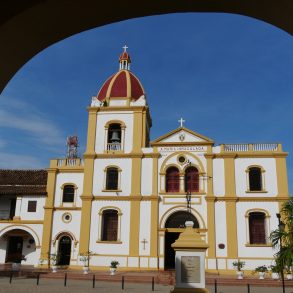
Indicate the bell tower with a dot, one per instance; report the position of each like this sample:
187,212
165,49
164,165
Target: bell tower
118,129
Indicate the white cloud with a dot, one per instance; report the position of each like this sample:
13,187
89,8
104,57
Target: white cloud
21,116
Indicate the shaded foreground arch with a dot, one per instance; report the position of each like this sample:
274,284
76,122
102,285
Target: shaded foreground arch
17,245
28,27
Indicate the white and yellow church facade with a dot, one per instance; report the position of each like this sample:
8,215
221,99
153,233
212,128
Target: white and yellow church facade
129,197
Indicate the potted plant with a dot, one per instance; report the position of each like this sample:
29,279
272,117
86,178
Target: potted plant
275,272
113,267
17,265
261,270
239,265
41,262
54,260
85,259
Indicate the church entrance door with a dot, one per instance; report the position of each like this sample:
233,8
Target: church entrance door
64,251
14,249
174,225
170,238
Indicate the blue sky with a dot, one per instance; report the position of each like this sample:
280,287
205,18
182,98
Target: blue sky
229,76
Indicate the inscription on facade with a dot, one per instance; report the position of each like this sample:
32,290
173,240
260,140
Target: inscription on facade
190,269
183,148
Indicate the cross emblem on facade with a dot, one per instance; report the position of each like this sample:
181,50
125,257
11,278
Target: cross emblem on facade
181,121
125,48
144,242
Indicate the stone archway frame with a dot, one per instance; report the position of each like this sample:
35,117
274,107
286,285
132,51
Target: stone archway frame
198,165
24,228
180,208
65,233
22,25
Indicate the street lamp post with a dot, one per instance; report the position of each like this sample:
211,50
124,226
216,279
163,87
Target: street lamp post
281,227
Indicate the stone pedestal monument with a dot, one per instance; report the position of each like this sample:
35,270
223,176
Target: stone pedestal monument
190,261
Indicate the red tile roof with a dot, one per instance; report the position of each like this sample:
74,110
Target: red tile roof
23,182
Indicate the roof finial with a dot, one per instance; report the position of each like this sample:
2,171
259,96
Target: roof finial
124,59
181,121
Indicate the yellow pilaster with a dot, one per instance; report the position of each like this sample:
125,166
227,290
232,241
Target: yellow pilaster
136,182
282,179
135,207
154,211
211,208
48,215
231,219
87,195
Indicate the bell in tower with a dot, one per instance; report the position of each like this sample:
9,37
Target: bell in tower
115,137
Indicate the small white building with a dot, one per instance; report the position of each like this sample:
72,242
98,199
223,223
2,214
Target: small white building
128,198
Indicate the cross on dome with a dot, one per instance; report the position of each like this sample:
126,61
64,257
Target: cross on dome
181,121
125,48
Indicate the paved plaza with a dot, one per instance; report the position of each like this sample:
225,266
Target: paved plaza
23,285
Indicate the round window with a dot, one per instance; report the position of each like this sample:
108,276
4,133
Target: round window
66,217
181,159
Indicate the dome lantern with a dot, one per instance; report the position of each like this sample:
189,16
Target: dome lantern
124,59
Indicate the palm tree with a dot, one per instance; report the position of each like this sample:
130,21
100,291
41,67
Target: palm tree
282,237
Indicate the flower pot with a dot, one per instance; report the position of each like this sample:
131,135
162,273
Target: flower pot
15,266
85,270
289,276
54,269
275,276
261,275
239,275
113,271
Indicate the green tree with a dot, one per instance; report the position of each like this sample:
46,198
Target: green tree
282,238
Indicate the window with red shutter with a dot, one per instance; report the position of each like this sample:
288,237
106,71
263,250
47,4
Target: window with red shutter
109,225
191,180
257,231
172,180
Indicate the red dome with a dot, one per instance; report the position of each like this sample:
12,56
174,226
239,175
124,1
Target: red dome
122,84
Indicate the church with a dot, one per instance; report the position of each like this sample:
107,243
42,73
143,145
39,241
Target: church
128,198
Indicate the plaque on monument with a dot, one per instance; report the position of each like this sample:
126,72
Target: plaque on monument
190,269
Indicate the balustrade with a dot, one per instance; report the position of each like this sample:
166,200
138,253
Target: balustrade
246,147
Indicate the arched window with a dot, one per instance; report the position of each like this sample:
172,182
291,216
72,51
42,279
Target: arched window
255,179
172,180
109,225
257,229
68,193
114,137
191,180
112,179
